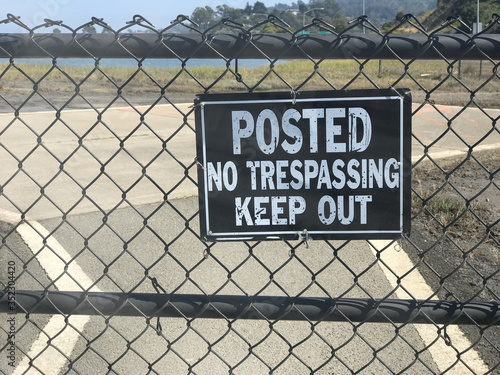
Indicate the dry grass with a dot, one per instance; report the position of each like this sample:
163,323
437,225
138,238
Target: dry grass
443,194
450,211
297,74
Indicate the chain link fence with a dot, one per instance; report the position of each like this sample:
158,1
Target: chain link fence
103,268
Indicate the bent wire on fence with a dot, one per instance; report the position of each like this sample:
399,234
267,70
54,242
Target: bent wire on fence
318,273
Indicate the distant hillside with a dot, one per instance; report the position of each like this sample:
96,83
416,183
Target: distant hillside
444,10
466,9
385,10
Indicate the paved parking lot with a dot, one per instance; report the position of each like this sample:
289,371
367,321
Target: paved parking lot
120,146
121,172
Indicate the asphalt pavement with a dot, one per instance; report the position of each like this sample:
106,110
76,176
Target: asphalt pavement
112,219
117,146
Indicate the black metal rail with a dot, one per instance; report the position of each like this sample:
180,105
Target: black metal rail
252,46
256,307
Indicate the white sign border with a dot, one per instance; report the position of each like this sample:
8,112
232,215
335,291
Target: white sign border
232,236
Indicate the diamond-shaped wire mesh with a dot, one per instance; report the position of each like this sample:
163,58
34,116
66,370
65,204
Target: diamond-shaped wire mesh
98,197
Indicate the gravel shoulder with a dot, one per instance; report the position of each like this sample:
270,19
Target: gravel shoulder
455,240
24,99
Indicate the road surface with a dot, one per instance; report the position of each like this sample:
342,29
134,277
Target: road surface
105,180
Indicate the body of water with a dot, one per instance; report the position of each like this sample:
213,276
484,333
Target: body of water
148,63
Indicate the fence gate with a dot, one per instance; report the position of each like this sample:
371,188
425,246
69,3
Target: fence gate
103,268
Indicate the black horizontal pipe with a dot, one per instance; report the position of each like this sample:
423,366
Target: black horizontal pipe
232,46
256,307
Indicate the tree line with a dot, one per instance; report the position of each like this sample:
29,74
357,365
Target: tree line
296,15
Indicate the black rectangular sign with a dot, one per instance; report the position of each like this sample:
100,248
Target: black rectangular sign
332,164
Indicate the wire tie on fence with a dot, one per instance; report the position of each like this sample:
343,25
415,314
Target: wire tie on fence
157,287
410,18
49,22
238,75
136,20
199,164
321,24
95,21
401,96
446,337
210,39
227,21
201,104
354,20
100,22
17,21
305,237
452,19
495,17
159,328
181,18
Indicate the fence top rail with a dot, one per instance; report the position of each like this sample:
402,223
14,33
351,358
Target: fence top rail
250,46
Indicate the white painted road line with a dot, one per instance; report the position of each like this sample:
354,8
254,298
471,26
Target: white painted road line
399,263
452,153
52,258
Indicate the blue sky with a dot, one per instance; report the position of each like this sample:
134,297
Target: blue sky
115,12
